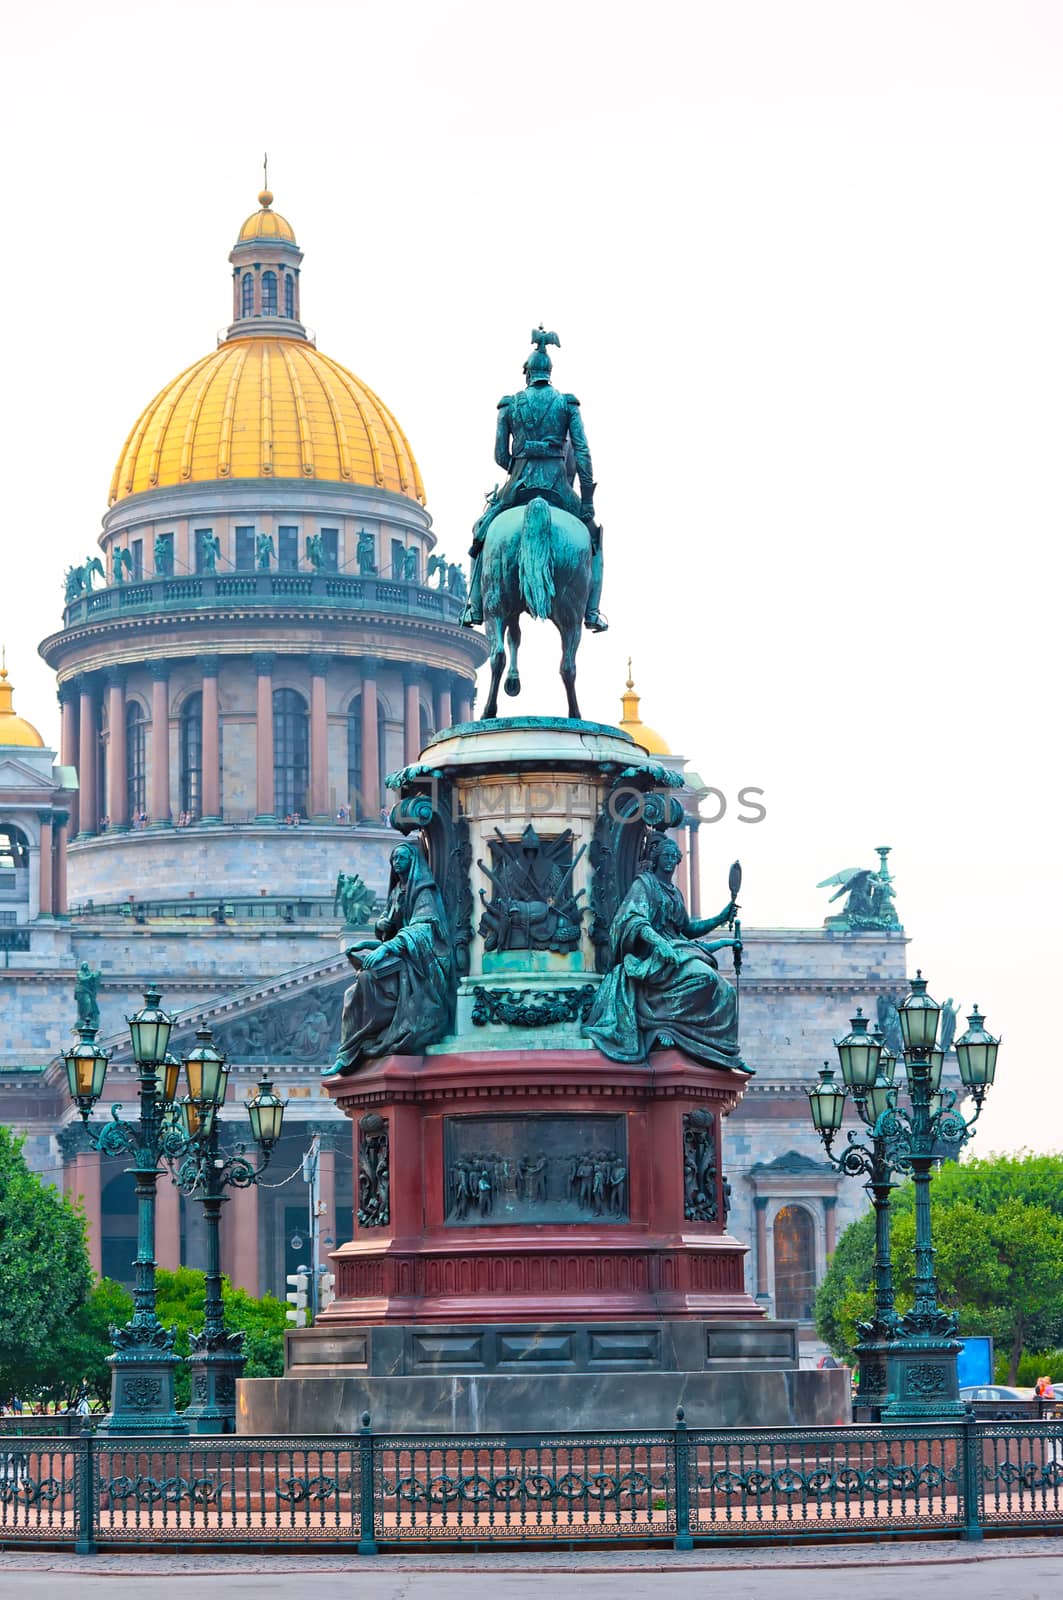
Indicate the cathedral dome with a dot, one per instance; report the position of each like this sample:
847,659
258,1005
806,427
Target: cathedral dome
632,723
266,404
266,408
15,730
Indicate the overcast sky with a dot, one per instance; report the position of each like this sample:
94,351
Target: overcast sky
806,264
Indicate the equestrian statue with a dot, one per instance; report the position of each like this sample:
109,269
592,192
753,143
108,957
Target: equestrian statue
537,548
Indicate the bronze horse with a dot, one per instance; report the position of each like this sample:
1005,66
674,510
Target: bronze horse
536,558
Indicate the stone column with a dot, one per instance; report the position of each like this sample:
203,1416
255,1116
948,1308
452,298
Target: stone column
160,744
239,1239
45,894
830,1223
117,791
464,700
210,755
88,761
83,1179
760,1207
263,665
695,869
444,713
319,806
370,806
412,676
68,739
62,819
167,1224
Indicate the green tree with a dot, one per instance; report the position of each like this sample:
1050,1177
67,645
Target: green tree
44,1269
181,1302
998,1236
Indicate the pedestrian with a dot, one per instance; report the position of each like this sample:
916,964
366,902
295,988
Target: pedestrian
1044,1389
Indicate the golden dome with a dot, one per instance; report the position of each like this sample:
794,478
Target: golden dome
266,407
631,722
14,730
266,224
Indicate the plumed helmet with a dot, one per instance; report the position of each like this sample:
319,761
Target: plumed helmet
538,367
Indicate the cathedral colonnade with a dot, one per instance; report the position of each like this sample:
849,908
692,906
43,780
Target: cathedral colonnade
248,738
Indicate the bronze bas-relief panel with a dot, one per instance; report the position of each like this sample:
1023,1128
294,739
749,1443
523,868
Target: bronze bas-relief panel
519,1169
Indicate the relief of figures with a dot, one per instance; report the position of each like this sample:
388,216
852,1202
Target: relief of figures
541,1185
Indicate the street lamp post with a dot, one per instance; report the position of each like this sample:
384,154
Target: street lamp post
217,1360
917,1351
143,1362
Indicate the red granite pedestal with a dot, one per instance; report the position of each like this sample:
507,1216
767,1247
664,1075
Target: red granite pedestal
653,1263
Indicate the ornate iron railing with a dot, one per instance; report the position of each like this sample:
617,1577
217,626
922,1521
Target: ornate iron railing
677,1486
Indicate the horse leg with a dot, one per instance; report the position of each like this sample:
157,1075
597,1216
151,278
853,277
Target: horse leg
496,632
512,684
569,628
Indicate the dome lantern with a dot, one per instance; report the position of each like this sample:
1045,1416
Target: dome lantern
14,730
633,724
265,261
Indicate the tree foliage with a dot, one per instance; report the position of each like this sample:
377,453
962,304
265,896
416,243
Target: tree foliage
45,1275
998,1237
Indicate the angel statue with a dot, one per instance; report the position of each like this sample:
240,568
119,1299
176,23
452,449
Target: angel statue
353,897
870,904
401,999
663,986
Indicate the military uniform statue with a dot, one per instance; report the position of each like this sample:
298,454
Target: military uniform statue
540,443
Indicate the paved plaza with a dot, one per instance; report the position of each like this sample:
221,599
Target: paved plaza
1004,1569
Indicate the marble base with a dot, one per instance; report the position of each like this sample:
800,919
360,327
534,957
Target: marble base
542,1402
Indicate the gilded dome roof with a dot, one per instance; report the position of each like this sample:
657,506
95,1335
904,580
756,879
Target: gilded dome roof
266,407
632,723
266,224
13,729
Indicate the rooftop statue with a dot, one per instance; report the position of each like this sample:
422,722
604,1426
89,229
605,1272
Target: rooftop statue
663,986
86,984
400,1000
536,547
870,904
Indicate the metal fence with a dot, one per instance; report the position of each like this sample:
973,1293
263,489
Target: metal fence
679,1486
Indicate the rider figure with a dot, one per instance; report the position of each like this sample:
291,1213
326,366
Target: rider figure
540,442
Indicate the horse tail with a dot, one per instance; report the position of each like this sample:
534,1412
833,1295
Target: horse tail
537,558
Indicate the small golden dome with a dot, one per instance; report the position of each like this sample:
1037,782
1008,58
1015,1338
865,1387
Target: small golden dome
632,723
266,407
14,730
266,224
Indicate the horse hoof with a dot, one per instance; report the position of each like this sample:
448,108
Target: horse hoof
512,686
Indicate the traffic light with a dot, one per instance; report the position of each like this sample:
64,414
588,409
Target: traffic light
298,1297
326,1290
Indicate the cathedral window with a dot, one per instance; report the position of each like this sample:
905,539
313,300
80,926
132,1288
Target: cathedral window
354,756
426,725
289,295
247,294
136,789
245,549
192,756
291,753
287,549
398,558
795,1264
330,549
269,294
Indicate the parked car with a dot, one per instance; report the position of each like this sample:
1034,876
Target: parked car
994,1391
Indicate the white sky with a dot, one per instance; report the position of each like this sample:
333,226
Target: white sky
806,263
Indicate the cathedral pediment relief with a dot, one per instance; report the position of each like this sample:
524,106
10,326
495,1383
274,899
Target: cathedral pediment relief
302,1028
15,774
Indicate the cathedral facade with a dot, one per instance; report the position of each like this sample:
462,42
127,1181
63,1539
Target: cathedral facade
267,632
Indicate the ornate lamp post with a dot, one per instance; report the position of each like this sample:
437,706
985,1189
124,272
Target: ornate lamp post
216,1359
143,1362
921,1376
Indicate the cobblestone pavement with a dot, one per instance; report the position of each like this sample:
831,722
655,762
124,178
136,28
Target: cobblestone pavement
998,1569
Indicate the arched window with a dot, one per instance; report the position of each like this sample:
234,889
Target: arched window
192,756
118,1224
289,295
269,294
426,725
136,789
795,1264
291,753
354,756
247,294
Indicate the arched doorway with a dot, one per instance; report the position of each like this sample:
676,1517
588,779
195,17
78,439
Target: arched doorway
794,1239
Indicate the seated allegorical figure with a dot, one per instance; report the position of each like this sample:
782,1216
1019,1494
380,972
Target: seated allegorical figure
663,986
400,1000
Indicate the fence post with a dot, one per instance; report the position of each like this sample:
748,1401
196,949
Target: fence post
367,1531
680,1445
972,1476
85,1496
